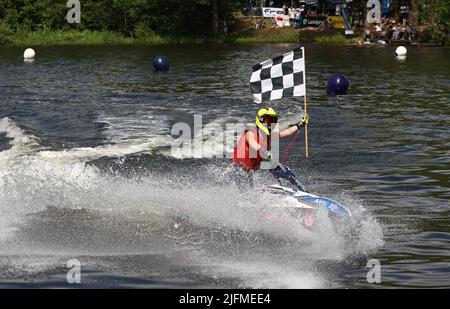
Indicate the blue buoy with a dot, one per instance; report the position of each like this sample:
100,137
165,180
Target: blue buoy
337,84
161,63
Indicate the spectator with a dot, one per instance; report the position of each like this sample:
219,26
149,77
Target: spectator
396,31
285,9
389,29
225,27
381,31
230,25
368,34
406,30
302,9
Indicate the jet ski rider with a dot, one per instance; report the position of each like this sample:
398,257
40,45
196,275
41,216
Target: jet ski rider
255,142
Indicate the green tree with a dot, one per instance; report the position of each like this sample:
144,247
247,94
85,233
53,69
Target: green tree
437,14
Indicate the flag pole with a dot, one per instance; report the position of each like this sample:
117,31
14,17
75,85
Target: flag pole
306,129
305,105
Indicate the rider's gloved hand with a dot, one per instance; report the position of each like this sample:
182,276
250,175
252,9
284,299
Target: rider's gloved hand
302,123
266,155
305,121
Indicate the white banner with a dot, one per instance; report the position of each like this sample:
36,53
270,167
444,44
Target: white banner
270,12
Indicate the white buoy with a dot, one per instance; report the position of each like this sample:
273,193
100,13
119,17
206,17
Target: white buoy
401,51
29,53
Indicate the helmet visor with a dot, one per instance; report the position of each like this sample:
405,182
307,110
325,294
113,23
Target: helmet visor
270,119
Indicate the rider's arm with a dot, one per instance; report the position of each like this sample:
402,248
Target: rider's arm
288,131
256,147
251,139
294,127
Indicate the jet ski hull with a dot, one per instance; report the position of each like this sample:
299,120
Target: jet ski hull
309,201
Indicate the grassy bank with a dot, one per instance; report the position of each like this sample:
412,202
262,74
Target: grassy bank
88,37
243,33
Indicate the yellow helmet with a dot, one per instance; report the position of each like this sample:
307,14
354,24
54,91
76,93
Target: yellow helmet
267,116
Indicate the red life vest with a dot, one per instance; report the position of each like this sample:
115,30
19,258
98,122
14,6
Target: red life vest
242,155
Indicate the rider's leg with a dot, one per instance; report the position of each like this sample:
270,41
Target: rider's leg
285,173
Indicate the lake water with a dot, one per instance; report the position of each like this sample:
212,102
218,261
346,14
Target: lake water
86,170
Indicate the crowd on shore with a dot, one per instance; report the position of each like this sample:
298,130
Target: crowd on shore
390,30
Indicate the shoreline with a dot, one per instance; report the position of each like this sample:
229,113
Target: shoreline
247,36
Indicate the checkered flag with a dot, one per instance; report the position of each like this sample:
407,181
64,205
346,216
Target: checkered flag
283,76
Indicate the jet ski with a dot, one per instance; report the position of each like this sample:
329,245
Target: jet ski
306,204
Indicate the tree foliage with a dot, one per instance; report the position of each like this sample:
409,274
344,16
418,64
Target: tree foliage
436,14
164,17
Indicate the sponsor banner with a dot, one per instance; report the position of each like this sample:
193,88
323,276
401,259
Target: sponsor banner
270,12
336,21
313,21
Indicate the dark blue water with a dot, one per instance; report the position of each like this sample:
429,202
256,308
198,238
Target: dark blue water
86,170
